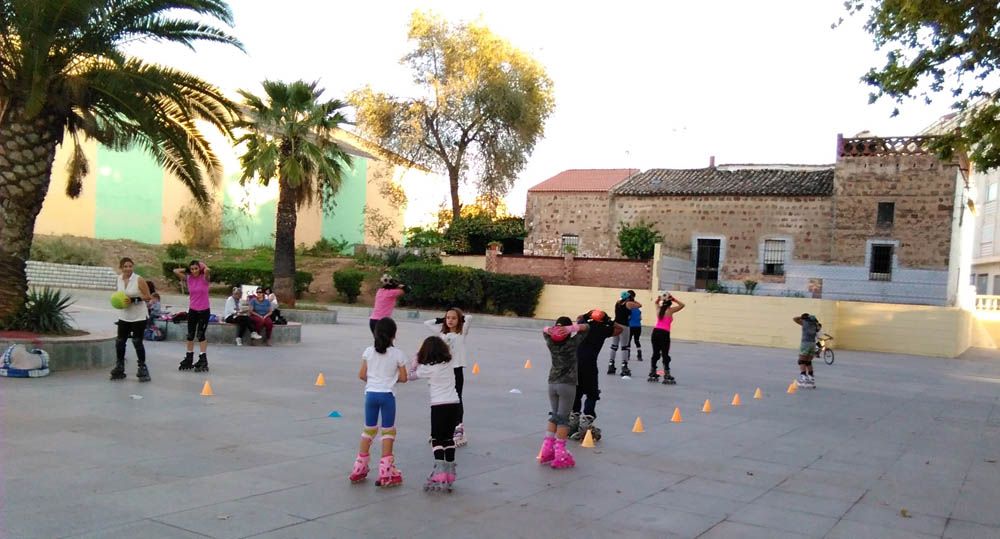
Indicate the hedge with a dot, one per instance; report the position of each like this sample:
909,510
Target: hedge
434,286
348,282
252,273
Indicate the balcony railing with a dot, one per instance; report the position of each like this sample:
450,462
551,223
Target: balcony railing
879,146
987,303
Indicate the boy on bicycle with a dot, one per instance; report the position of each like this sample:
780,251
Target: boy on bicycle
807,349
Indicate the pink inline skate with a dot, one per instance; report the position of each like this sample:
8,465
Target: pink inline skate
388,474
548,452
360,472
563,458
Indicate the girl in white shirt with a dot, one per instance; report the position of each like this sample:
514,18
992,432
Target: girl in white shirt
434,363
453,329
382,366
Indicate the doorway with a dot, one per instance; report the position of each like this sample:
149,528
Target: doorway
707,263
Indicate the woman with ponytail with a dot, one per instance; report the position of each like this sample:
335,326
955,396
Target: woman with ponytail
666,305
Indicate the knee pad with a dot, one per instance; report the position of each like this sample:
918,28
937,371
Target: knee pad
389,433
802,361
614,346
369,432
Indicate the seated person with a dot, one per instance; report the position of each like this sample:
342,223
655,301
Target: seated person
260,315
155,308
273,298
238,312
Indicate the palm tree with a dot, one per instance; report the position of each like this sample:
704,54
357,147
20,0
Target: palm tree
64,74
290,138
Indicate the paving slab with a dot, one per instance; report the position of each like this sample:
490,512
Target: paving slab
81,456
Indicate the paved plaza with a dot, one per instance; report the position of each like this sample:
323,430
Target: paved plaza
888,446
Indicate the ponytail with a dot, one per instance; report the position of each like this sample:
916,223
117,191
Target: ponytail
385,333
663,308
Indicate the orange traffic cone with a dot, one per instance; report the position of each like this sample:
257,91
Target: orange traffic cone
637,427
757,394
527,364
708,407
736,400
677,416
475,368
320,381
588,439
792,388
206,390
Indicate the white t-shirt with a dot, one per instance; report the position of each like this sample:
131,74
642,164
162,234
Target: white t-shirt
455,341
441,379
383,369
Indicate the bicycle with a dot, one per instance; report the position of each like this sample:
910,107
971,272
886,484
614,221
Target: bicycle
822,350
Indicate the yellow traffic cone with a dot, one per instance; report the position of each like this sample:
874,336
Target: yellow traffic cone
792,388
757,394
527,364
638,425
736,400
320,381
475,368
588,439
206,390
708,407
677,416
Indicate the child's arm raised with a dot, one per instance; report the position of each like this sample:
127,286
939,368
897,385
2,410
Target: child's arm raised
434,325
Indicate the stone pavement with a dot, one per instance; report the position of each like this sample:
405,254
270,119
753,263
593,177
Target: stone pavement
888,446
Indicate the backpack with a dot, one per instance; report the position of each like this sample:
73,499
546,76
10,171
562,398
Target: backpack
154,333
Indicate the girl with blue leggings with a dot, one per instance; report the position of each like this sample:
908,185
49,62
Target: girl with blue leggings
382,366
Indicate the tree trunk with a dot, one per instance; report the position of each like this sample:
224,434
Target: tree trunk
284,245
456,206
27,149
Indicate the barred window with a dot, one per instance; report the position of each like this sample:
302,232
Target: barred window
886,214
774,257
880,268
570,242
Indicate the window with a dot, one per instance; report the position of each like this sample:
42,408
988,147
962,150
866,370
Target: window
996,285
982,280
880,268
774,257
885,213
991,192
570,243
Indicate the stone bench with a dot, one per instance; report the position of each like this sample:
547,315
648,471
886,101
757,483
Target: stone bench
94,351
308,316
226,333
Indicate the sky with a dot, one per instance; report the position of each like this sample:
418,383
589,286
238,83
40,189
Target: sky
643,85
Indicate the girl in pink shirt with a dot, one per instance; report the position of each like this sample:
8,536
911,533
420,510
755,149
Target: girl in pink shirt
667,306
385,300
199,309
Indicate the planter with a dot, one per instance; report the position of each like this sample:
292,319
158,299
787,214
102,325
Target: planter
93,351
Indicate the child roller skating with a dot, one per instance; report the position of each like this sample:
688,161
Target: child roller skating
453,328
382,367
807,349
562,339
621,339
599,328
434,364
133,315
635,327
667,307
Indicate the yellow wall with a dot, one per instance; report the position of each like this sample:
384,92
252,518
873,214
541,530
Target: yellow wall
379,172
471,261
767,321
61,214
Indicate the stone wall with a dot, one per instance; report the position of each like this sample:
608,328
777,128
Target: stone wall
568,270
70,276
548,216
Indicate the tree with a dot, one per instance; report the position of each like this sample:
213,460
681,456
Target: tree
638,241
483,107
936,46
64,75
290,138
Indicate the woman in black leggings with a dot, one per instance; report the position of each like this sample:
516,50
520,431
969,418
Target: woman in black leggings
667,306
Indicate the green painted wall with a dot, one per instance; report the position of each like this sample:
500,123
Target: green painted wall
251,226
348,216
129,196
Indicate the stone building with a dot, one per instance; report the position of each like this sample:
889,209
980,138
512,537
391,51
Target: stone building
883,223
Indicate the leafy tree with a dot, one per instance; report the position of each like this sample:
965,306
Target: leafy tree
290,139
934,46
638,241
483,107
64,73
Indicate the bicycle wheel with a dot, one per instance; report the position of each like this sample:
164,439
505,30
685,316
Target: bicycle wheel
828,356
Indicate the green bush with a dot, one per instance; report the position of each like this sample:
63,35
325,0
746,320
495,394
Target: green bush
327,247
395,256
177,251
638,241
257,273
420,237
44,312
435,286
471,235
348,283
60,251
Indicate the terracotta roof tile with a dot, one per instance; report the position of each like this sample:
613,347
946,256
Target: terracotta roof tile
753,180
585,180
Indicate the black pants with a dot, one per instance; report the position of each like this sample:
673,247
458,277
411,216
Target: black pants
242,324
444,419
587,384
459,384
661,347
197,324
634,333
134,331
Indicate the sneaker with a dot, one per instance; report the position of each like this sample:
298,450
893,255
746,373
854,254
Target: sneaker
255,336
239,341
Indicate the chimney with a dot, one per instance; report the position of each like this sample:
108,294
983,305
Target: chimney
711,161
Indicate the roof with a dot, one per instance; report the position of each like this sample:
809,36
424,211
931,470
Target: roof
751,180
585,180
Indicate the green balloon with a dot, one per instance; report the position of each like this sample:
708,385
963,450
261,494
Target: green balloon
119,300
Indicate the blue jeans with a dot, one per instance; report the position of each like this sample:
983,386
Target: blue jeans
383,404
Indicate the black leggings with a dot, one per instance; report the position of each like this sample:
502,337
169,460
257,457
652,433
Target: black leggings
635,333
661,346
444,419
587,384
459,383
134,331
242,323
197,324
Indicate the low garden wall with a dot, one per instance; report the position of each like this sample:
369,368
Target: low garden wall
94,351
226,333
